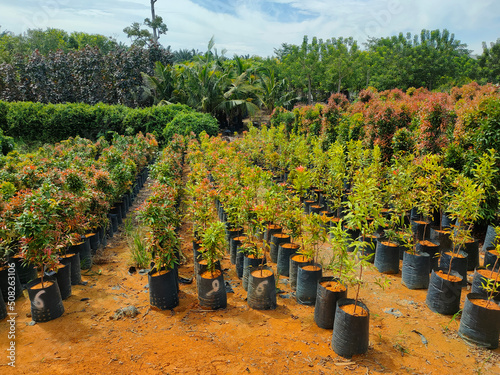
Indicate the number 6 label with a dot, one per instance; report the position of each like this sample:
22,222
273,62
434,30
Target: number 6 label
38,302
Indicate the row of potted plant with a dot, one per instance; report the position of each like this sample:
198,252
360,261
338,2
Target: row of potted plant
420,183
250,204
54,201
161,216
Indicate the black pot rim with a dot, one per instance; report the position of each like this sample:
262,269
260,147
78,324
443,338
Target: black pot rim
351,301
471,296
302,265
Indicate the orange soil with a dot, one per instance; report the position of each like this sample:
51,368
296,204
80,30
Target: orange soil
300,258
237,340
333,286
253,256
291,245
490,274
445,276
428,243
311,268
273,226
354,310
485,303
262,273
46,284
454,255
210,275
391,244
162,272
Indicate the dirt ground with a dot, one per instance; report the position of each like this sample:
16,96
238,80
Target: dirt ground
237,340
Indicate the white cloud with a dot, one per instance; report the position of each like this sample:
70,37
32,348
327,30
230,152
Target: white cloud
259,26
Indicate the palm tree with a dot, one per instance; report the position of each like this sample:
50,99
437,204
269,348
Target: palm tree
210,83
220,88
274,92
161,86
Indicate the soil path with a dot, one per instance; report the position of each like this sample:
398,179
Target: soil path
237,340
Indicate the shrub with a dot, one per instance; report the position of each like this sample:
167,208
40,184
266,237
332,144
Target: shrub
3,115
281,116
186,122
403,141
6,143
332,114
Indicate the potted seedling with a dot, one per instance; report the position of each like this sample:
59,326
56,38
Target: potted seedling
351,324
467,207
162,243
335,176
308,275
301,182
40,240
333,288
350,334
447,282
273,200
279,234
211,287
289,257
480,320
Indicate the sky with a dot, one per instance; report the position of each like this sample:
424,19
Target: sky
257,27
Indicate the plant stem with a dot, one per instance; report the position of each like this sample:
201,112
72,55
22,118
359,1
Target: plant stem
359,287
495,283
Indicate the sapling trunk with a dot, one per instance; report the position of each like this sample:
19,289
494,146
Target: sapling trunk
495,283
262,263
453,252
359,287
360,277
425,229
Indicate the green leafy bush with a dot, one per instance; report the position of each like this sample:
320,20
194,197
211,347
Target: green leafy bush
403,140
186,122
6,143
3,115
281,115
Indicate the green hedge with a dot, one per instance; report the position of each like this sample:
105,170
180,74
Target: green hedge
48,123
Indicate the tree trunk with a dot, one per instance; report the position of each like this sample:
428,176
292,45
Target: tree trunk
155,34
309,94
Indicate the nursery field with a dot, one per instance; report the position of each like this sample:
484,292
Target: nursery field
344,237
405,336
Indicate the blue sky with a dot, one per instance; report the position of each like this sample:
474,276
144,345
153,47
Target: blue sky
256,27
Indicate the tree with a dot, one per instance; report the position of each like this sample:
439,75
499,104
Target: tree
489,62
339,56
430,59
144,37
274,92
184,55
303,67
